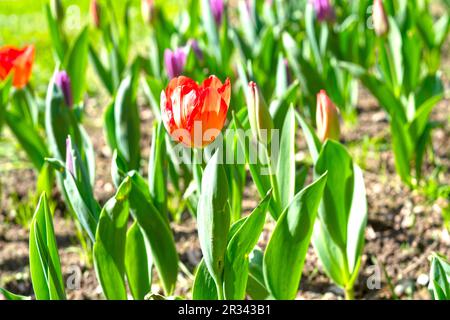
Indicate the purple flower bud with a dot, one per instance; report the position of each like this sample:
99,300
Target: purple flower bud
193,45
62,80
175,62
324,10
217,7
69,158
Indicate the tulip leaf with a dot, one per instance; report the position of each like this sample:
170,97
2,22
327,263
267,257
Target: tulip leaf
109,126
103,73
256,288
439,285
204,287
280,106
138,262
286,251
158,233
109,246
211,30
45,267
213,218
60,122
313,142
286,160
55,34
310,15
402,147
156,169
329,253
29,138
239,248
118,168
127,122
338,194
262,182
77,187
12,296
88,153
339,232
76,64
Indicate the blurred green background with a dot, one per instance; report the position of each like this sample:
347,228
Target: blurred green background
23,22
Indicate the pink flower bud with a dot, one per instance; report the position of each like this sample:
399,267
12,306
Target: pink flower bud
147,10
96,12
380,20
327,118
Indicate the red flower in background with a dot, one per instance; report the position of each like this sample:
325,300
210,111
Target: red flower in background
16,61
195,114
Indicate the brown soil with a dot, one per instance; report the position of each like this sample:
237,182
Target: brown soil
403,227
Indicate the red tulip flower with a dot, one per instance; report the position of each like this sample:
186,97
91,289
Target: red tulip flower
195,114
19,62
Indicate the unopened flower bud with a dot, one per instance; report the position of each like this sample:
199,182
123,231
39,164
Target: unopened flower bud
57,10
258,114
324,10
217,8
147,10
175,62
327,118
380,20
62,81
96,12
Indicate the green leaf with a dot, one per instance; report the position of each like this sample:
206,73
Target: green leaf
280,105
439,285
338,194
103,73
5,88
239,248
286,160
156,169
60,122
313,142
118,168
157,231
12,296
78,189
45,267
210,28
213,218
76,65
204,287
403,149
29,138
286,251
256,288
310,15
138,262
127,122
109,246
330,255
339,233
55,34
357,221
262,182
109,126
